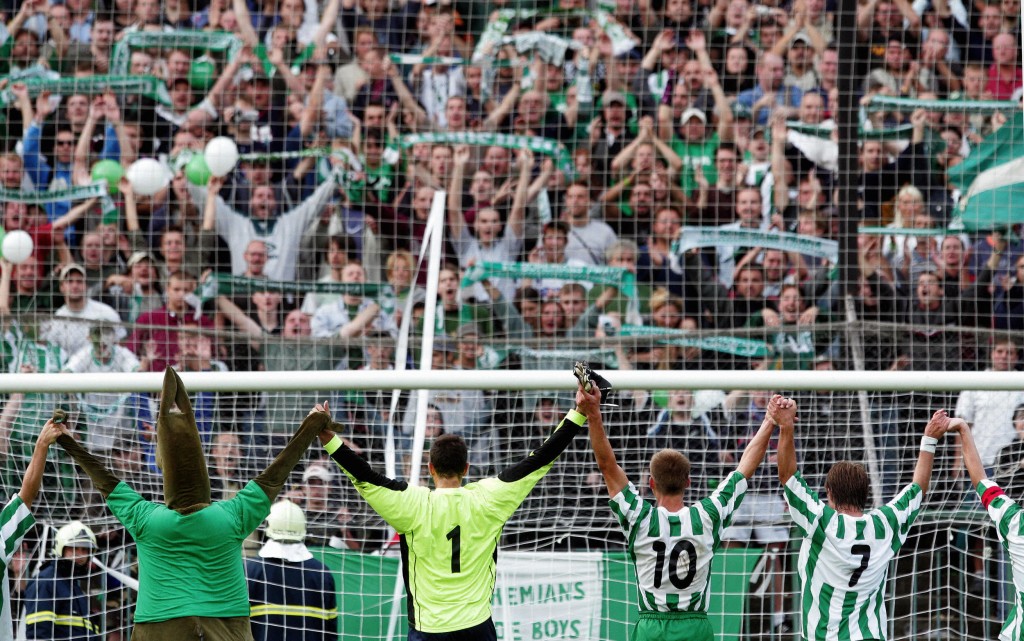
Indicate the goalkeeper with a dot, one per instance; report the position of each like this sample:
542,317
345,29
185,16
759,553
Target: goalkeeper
449,536
672,545
1007,515
191,572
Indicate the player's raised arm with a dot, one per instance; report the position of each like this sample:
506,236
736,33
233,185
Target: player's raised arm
33,478
933,431
785,417
614,476
972,460
753,453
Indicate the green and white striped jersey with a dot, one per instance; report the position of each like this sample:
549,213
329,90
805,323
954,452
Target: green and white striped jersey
1007,515
672,551
15,522
844,562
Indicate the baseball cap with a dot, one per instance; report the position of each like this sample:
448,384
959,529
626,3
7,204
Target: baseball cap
468,329
317,471
71,267
801,38
693,113
741,111
138,257
610,96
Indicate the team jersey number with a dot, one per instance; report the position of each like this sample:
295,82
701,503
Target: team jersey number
455,536
864,552
683,546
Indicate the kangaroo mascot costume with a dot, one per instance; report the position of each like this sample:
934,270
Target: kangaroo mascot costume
191,572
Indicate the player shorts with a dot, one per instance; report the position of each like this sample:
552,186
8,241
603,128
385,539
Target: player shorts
673,626
481,632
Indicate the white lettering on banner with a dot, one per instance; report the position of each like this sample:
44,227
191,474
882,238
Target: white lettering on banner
691,237
541,596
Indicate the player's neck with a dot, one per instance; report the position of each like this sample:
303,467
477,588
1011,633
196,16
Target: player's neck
671,503
849,511
447,482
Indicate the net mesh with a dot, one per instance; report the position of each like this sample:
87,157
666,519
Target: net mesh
951,577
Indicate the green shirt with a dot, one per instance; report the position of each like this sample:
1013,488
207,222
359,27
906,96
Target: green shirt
450,536
695,154
190,565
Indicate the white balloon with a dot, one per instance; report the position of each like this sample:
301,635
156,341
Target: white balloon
221,155
17,246
148,176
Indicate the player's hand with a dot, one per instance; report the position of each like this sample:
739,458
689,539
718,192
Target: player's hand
320,407
937,424
783,412
588,403
957,425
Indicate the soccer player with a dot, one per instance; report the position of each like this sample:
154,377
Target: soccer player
845,554
1007,514
449,535
16,520
672,544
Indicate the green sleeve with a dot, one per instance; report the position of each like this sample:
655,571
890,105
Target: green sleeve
249,507
130,508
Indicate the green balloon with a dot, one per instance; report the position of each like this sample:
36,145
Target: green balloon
201,75
660,398
197,172
109,171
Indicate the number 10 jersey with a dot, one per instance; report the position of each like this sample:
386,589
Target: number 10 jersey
673,551
844,561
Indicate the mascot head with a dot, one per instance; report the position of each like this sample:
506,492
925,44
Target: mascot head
179,450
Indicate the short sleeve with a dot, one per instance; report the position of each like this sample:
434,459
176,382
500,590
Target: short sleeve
902,511
130,508
728,496
804,505
15,522
249,507
629,508
1003,510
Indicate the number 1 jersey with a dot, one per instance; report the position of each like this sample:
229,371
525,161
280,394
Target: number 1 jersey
673,551
844,561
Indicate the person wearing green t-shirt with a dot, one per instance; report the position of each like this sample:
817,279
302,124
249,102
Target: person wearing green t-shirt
191,572
449,535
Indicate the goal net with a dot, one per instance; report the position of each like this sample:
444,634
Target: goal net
562,568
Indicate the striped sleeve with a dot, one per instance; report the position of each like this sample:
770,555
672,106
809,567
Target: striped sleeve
15,522
629,508
1003,510
902,511
804,505
728,497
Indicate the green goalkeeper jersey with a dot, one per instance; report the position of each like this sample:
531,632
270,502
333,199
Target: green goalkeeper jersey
449,537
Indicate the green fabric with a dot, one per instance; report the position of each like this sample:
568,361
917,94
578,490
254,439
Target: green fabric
190,565
1006,144
659,626
693,154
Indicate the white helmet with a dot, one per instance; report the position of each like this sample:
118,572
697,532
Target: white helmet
75,534
286,522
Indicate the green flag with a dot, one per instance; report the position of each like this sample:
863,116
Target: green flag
1006,144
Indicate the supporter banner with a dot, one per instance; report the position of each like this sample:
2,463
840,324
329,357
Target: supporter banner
604,356
229,285
413,59
890,103
618,277
149,86
551,49
899,231
726,344
538,596
621,41
692,237
184,39
536,144
95,190
487,46
494,34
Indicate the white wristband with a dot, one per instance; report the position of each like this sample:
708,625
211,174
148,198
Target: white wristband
928,444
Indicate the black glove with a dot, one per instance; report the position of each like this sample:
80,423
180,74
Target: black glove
588,378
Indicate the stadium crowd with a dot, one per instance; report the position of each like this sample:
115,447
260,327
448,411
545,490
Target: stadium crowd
714,115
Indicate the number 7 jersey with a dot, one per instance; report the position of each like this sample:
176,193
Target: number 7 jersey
844,561
673,551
